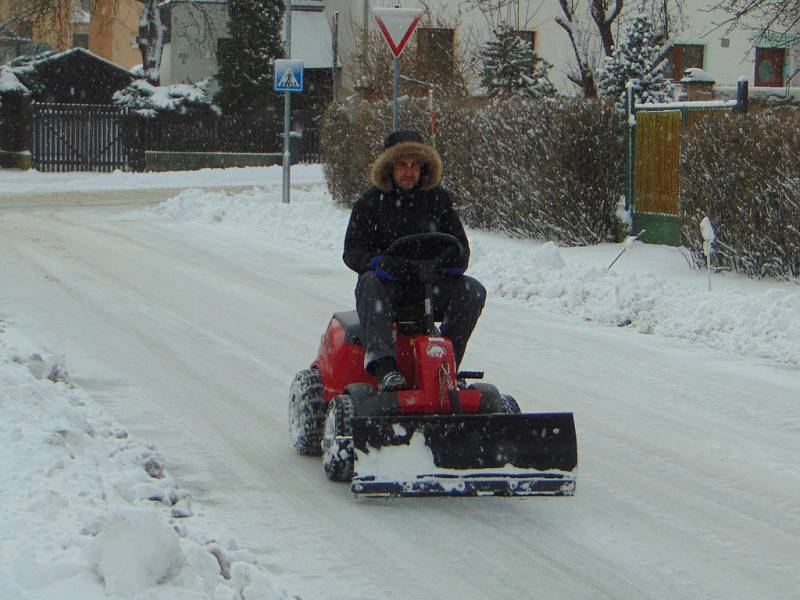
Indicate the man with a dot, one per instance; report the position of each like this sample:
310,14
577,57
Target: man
406,199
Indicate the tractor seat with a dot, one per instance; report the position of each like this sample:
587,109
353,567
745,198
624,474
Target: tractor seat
410,321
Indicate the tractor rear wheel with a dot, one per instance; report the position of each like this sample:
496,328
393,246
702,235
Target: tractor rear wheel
307,412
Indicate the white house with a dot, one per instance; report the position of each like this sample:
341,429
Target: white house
699,42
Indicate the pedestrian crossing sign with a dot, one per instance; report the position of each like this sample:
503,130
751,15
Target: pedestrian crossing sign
288,75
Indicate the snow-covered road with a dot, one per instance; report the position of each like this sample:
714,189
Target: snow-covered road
189,335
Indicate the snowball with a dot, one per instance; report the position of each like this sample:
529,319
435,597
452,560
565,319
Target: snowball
135,550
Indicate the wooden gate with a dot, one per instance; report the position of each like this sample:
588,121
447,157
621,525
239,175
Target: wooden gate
654,161
78,137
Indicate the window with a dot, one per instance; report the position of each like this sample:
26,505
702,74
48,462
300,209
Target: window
682,57
769,66
80,40
527,36
435,49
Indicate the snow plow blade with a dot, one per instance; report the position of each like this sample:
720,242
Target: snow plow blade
465,455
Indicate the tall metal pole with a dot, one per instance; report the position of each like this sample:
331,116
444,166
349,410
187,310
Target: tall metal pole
335,50
287,112
395,92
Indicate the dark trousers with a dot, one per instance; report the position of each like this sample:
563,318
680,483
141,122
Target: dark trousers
460,300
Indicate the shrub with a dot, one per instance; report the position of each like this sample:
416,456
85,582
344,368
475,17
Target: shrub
743,172
547,169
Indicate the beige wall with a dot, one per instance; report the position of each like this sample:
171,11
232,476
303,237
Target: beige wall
113,31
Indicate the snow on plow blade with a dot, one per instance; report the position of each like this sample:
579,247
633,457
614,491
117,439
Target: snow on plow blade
465,455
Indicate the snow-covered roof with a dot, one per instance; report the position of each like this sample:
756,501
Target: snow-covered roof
311,39
59,55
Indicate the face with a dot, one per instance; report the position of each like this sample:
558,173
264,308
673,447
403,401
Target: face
406,171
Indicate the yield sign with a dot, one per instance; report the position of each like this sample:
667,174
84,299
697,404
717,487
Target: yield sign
397,25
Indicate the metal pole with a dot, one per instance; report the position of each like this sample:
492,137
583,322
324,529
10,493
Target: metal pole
395,92
335,53
433,116
287,112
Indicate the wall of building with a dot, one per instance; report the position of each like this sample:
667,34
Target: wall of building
113,30
190,55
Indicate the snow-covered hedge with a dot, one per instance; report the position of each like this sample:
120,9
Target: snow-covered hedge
150,101
548,169
743,172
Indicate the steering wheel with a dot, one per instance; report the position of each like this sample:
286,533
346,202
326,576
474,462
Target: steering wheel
424,246
424,250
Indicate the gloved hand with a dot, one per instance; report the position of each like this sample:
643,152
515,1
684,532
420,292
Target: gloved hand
390,268
450,263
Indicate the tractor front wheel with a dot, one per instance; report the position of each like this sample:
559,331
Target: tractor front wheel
337,440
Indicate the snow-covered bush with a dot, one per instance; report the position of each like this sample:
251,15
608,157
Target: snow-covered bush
147,100
743,171
547,169
639,58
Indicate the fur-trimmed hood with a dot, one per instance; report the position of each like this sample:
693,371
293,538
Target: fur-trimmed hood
431,176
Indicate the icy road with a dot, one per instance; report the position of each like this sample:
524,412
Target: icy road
189,335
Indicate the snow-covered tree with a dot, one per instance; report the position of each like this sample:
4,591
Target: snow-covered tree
639,58
247,64
511,67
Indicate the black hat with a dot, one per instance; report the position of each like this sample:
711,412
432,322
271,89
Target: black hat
400,136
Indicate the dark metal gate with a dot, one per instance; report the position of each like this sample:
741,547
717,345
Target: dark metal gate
78,137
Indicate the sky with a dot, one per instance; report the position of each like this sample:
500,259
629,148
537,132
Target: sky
92,507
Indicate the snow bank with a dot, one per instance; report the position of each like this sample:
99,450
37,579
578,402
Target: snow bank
89,512
756,318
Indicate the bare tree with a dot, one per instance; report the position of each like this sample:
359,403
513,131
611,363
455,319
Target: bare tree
763,16
54,16
583,76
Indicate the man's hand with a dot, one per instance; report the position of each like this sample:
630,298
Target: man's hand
390,268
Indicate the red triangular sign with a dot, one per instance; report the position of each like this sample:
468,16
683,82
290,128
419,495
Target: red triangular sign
397,25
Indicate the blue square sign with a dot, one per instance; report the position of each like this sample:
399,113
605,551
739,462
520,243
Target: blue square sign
288,75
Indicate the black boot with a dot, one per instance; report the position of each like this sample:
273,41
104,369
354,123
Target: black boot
389,377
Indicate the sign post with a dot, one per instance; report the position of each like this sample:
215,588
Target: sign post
288,79
396,25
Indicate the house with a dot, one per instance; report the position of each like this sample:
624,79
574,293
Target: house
455,27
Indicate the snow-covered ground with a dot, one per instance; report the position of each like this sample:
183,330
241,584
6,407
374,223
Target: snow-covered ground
145,353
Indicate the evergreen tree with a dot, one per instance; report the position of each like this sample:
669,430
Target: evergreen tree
639,58
511,67
246,62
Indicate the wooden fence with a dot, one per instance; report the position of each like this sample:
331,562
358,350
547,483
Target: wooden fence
73,137
78,137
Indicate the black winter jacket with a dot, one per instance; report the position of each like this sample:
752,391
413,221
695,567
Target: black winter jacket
379,218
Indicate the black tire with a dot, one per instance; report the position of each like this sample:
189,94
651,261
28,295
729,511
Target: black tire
509,405
307,412
337,440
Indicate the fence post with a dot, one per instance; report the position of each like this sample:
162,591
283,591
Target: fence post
630,111
741,95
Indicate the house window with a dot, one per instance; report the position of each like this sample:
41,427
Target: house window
435,49
769,66
682,57
80,40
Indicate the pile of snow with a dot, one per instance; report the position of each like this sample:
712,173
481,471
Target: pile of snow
89,512
759,319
